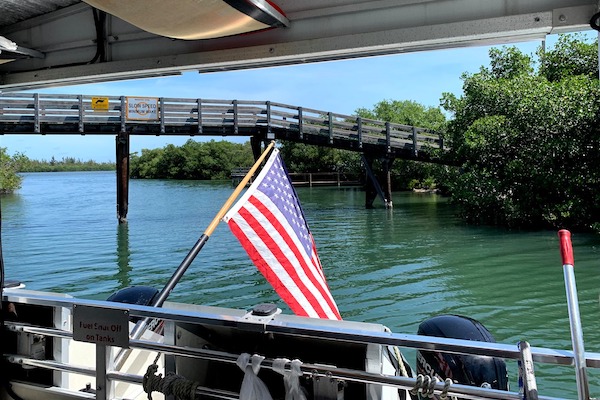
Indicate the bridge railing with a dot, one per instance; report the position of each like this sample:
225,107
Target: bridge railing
336,126
85,114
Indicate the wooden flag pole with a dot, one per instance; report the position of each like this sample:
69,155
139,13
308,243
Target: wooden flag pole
209,230
141,326
213,225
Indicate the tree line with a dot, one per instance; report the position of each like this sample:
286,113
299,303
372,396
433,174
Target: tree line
193,160
12,165
524,132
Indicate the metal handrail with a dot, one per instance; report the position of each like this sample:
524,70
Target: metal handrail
308,369
61,109
325,331
398,382
281,326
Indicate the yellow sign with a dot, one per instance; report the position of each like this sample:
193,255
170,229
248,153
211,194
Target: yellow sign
100,103
142,108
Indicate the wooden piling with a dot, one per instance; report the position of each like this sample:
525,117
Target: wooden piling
372,186
370,182
387,167
122,147
255,144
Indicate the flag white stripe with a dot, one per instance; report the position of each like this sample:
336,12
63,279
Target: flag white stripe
285,249
275,266
314,267
266,201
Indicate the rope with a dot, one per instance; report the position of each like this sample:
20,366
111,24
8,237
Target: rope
426,385
431,387
418,383
444,394
402,367
171,384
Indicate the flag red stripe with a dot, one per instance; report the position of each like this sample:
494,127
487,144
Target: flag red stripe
280,256
315,257
309,270
262,265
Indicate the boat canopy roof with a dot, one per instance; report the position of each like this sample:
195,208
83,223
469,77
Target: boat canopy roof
46,43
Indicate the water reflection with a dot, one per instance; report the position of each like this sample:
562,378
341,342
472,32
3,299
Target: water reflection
11,206
123,256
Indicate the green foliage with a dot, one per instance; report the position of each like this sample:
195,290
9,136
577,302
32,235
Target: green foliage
300,157
508,63
408,174
63,165
10,180
571,56
405,112
529,141
193,160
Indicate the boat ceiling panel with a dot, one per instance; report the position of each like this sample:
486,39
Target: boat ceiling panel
13,11
58,42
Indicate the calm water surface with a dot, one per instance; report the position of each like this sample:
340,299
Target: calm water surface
396,267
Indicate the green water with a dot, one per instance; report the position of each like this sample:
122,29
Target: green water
397,267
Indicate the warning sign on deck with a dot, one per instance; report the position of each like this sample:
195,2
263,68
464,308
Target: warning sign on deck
142,108
106,326
100,103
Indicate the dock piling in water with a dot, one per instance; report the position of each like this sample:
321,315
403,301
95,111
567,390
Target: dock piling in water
122,146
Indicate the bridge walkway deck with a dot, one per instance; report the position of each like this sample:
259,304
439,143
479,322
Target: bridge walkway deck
47,114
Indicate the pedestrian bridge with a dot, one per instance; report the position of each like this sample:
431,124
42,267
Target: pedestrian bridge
47,114
125,116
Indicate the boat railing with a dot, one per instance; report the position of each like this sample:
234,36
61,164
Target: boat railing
173,313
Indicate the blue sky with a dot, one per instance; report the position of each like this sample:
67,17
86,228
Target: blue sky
339,86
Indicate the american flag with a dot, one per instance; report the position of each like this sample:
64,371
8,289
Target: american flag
269,223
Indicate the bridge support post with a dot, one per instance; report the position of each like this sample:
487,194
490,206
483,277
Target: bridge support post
122,146
370,190
387,188
372,186
255,143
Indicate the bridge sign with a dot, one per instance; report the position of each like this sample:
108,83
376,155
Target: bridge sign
100,103
142,108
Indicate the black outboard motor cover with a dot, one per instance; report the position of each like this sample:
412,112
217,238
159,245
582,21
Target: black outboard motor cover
140,295
474,370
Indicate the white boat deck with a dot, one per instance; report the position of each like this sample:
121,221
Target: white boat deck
202,344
